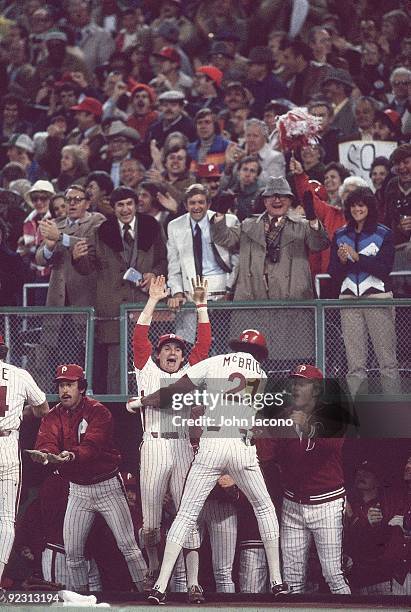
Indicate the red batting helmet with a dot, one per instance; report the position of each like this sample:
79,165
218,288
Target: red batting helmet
250,337
171,338
69,371
307,371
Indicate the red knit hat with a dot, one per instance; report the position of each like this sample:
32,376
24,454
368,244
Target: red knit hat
212,72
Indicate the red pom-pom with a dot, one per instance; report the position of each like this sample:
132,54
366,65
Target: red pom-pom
297,129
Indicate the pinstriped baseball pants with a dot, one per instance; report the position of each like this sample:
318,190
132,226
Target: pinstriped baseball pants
323,522
215,457
108,499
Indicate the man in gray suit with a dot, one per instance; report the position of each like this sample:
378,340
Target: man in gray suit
191,252
67,286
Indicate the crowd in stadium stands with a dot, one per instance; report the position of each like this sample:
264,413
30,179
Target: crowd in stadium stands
143,134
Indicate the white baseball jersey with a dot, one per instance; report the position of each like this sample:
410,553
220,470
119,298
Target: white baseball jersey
16,388
150,379
231,382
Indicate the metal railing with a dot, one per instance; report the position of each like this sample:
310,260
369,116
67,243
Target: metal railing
40,338
296,332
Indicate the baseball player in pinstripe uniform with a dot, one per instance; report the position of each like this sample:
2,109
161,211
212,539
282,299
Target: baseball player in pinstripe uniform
16,388
225,447
77,436
313,484
166,451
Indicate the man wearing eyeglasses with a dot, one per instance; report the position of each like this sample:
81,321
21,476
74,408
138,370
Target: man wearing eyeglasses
67,286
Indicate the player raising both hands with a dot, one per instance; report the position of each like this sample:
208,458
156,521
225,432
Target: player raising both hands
166,452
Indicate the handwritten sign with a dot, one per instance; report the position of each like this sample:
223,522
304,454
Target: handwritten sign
358,155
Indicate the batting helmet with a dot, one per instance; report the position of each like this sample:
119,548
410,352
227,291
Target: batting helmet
250,337
307,371
171,338
319,190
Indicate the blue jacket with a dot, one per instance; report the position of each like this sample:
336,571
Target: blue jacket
370,274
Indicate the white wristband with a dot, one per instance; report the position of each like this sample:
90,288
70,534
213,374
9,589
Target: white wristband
134,404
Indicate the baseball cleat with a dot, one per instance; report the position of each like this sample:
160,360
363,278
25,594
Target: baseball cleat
156,597
281,588
150,580
195,594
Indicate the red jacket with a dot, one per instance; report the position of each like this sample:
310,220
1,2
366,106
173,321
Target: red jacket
331,217
311,468
87,432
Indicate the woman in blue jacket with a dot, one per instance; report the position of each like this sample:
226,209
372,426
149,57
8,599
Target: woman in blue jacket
362,257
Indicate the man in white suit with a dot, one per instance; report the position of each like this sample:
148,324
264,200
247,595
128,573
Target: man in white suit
191,252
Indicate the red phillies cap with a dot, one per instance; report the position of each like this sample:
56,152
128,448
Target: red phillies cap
69,371
170,338
307,371
168,53
90,105
212,72
208,171
128,479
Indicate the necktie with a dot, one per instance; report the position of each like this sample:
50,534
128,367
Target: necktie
127,237
198,250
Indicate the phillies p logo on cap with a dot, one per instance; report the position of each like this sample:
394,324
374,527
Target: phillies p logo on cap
69,371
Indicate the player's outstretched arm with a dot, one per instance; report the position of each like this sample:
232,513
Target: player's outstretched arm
41,410
158,291
203,342
142,348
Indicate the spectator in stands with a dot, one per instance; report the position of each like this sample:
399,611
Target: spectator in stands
320,43
176,176
169,76
349,184
222,57
373,76
131,172
210,146
337,87
400,81
172,119
334,175
13,272
387,126
11,121
127,239
245,183
207,84
305,75
167,35
238,67
380,174
73,167
272,247
88,132
121,141
131,29
369,508
96,44
67,286
140,69
58,60
190,252
39,198
20,149
12,171
262,83
209,176
143,114
235,98
173,9
365,109
312,160
98,187
256,143
153,201
58,206
357,273
328,135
